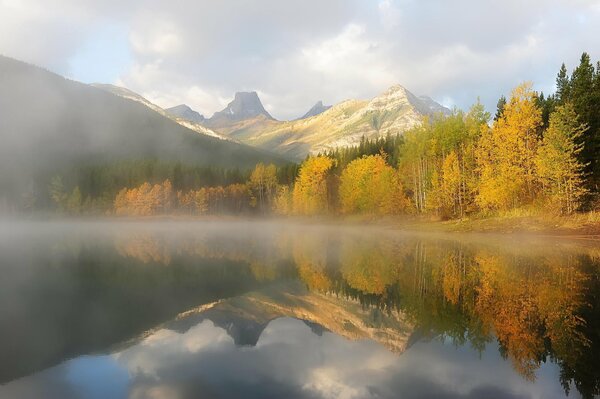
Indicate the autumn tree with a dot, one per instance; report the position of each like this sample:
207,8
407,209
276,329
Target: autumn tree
201,201
263,183
369,185
558,167
311,191
145,200
506,154
74,202
57,192
282,204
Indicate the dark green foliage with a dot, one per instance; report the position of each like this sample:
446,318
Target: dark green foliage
547,105
582,89
562,85
500,107
388,145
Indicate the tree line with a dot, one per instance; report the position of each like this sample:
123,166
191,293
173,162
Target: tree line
537,152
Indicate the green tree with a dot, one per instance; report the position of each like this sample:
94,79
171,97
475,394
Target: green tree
558,167
500,107
563,88
587,106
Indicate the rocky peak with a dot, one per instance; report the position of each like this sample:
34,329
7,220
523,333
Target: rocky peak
316,109
245,105
185,112
398,97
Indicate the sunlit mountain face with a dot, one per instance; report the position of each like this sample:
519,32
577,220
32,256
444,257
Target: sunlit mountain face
264,309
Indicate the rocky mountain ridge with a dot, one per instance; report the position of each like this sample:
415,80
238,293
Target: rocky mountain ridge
245,105
344,124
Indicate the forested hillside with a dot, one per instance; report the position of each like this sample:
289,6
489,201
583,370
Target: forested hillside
51,125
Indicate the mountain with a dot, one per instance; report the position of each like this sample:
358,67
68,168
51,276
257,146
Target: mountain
344,124
49,123
433,106
245,105
185,122
316,109
246,316
184,112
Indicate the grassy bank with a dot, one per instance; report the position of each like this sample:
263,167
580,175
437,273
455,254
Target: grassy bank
581,224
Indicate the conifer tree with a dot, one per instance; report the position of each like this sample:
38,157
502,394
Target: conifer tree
562,85
587,107
500,107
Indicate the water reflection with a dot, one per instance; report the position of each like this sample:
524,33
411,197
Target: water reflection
270,310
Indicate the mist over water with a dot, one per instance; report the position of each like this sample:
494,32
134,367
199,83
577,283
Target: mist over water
270,309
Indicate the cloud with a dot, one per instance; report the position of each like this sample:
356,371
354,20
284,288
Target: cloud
290,361
295,53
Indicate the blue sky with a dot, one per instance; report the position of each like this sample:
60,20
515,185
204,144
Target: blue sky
294,53
103,57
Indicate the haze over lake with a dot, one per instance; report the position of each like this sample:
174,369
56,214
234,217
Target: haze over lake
142,309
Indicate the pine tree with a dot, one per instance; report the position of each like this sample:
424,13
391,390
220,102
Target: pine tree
587,107
500,107
563,88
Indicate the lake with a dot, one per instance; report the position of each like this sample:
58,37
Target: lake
141,309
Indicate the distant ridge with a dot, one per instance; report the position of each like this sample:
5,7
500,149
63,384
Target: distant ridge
185,112
315,110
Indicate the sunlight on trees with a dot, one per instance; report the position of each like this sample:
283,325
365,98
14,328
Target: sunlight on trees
369,185
312,187
506,154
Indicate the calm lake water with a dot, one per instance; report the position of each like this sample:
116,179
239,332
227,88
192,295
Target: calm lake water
267,310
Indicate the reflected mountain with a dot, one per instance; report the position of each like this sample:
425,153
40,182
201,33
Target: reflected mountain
235,290
246,316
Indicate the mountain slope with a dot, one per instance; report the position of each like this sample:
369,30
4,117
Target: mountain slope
344,124
185,122
48,122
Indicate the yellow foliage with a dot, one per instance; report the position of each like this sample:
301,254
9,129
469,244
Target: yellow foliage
311,191
370,185
506,153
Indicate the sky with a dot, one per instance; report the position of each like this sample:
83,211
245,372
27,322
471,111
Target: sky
294,53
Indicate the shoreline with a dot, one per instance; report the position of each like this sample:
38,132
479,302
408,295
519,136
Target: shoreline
579,226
